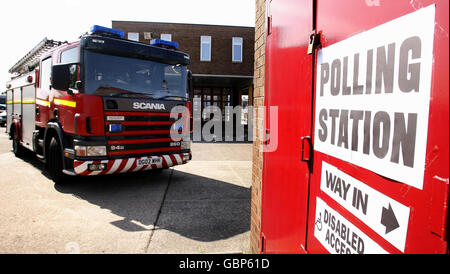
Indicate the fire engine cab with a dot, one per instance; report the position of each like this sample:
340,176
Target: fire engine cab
101,105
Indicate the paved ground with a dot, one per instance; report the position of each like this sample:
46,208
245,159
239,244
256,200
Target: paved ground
201,207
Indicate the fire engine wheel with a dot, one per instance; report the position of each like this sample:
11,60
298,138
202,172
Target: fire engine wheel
54,162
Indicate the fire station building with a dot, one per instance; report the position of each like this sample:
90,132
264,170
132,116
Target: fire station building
222,60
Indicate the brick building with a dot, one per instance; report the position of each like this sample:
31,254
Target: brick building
258,101
241,78
222,58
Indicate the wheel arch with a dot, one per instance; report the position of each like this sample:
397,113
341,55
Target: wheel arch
53,129
15,126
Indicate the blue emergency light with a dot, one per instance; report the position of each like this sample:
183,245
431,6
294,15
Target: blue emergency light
96,29
164,43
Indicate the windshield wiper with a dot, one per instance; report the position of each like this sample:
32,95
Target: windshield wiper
123,92
171,96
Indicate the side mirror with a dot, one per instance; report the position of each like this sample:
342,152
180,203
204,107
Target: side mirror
65,77
61,77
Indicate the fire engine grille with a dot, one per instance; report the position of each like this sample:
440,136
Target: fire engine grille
136,134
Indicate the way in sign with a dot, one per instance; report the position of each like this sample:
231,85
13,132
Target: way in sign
340,187
382,214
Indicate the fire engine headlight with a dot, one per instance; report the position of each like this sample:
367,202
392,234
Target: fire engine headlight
80,150
185,144
96,150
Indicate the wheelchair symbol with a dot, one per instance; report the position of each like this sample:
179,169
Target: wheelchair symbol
319,222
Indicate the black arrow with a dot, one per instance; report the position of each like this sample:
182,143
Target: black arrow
388,219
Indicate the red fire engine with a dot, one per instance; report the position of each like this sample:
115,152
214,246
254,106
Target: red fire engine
364,167
100,105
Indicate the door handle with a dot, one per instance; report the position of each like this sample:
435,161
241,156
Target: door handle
306,148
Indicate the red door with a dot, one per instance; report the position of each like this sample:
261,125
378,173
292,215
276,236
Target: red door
378,115
288,100
380,177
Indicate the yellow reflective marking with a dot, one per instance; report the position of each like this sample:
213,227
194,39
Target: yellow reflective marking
28,101
43,102
65,103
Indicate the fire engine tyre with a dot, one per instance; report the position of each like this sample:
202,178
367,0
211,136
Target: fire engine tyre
54,161
18,149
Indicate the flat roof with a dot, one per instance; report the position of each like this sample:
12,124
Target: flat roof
187,24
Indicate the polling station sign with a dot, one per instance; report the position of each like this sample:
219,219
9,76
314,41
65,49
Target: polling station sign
373,97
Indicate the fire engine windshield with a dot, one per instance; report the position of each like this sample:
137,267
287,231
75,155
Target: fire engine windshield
108,75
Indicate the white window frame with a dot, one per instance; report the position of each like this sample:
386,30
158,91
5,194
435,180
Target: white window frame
237,41
133,38
166,35
70,51
45,73
202,42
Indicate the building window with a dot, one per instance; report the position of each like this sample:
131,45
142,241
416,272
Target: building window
148,35
134,36
237,49
166,37
205,48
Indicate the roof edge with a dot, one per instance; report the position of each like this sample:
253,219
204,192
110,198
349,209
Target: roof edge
188,24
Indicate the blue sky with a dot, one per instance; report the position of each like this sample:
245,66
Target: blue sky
26,22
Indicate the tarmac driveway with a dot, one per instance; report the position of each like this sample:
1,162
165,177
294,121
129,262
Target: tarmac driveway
201,207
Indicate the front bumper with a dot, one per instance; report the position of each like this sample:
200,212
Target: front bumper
130,164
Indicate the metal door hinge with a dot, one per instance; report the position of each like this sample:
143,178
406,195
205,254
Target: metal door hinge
263,244
438,217
314,43
267,136
269,25
269,18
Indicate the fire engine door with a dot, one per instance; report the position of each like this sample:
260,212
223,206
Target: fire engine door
288,101
28,115
379,182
